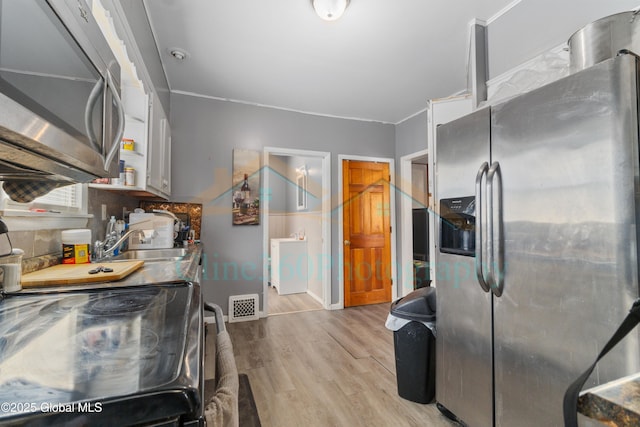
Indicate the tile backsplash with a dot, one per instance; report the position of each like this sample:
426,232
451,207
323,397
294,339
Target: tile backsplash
115,202
42,248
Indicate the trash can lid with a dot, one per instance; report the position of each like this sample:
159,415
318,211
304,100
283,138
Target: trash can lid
419,305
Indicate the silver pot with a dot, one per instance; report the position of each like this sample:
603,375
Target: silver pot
603,39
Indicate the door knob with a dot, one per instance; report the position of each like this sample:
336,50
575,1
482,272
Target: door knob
346,242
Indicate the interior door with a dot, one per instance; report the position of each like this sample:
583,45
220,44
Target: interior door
367,232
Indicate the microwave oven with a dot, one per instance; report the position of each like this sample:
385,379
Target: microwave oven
61,116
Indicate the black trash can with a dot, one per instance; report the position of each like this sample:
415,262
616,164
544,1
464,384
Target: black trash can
413,320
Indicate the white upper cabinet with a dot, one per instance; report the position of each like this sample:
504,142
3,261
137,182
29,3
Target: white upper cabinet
136,134
159,153
146,123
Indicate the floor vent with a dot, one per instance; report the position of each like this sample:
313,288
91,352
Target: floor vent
243,308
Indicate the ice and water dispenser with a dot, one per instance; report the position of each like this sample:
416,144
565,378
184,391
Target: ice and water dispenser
458,226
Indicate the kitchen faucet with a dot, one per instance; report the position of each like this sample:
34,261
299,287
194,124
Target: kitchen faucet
105,249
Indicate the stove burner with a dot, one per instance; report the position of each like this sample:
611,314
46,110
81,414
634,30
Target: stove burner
63,305
121,303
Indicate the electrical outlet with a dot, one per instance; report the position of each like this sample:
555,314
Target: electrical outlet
104,212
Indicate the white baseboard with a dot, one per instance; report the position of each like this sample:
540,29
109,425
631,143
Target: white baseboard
338,306
315,297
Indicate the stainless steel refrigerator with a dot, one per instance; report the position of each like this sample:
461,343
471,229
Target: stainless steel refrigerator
537,259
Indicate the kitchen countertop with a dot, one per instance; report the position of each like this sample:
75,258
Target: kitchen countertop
614,403
157,272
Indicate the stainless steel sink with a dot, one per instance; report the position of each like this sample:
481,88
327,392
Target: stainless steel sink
150,255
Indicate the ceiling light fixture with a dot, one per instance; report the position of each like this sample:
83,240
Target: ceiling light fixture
178,54
330,10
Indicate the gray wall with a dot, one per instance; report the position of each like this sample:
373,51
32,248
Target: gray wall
204,133
411,135
278,182
283,186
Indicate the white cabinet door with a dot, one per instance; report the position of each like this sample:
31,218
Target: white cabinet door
159,154
135,102
166,160
154,153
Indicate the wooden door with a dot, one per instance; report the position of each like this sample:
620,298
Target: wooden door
367,232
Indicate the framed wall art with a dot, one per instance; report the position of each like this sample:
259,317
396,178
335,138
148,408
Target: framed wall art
246,187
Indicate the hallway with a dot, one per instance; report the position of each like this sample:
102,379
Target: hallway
293,303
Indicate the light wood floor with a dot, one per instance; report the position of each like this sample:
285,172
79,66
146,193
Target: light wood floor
326,368
280,304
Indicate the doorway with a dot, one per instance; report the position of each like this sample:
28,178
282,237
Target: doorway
296,232
416,213
438,111
366,223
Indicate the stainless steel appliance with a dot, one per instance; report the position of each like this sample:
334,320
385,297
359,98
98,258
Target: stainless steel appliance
61,118
603,39
554,179
107,356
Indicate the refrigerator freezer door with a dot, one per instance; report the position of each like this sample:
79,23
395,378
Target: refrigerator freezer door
568,154
463,341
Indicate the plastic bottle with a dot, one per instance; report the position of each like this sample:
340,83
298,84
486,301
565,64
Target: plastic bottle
119,233
125,244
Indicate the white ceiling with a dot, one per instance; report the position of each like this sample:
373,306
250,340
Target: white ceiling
381,61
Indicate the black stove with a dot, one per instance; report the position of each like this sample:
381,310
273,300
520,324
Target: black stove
113,356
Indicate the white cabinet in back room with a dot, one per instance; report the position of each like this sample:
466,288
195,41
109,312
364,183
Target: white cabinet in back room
289,265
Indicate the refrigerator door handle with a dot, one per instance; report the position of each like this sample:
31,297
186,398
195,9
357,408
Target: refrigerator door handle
495,230
480,273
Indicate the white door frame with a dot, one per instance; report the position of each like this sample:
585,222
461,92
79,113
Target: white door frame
326,220
392,209
406,207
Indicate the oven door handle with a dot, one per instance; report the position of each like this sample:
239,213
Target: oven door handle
217,311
